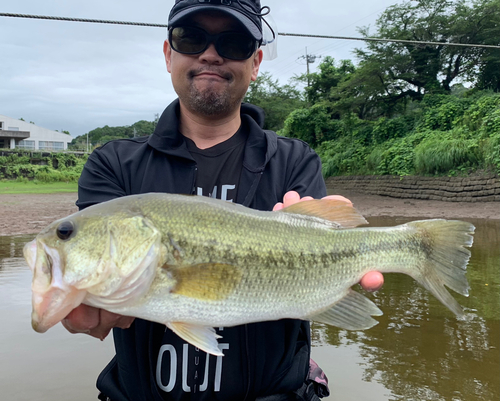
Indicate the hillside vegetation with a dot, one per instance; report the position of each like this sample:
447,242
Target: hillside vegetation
401,109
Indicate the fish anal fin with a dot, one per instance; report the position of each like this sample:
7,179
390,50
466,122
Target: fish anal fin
336,211
352,312
202,337
206,281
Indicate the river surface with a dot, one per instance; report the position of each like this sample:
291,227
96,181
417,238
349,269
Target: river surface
418,351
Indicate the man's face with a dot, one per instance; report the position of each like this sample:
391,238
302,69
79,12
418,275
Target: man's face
207,83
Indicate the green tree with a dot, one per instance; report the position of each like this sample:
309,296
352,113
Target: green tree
323,84
277,101
402,71
100,136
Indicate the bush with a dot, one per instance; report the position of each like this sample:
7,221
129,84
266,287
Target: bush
59,167
438,156
343,157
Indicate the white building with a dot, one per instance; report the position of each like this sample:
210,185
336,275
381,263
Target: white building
20,134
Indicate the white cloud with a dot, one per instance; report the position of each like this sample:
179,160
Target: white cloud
79,76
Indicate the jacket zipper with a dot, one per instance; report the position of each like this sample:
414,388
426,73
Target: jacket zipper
195,174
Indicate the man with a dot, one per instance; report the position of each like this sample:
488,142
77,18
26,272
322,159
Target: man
206,143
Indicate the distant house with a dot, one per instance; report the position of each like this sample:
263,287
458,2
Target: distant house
22,135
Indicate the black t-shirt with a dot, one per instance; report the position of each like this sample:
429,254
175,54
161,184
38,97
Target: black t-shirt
219,167
184,371
259,358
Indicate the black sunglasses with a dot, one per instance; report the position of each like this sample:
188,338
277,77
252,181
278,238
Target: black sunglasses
231,45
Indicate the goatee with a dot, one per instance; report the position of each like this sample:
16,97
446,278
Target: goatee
210,101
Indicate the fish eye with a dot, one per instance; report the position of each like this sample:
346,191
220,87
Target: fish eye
65,229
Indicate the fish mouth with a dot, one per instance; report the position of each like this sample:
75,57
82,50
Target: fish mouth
29,252
52,298
53,305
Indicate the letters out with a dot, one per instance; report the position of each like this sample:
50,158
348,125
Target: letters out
169,351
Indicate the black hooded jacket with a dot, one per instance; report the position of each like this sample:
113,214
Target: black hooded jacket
261,358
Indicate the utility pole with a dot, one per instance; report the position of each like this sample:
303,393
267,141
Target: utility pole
310,58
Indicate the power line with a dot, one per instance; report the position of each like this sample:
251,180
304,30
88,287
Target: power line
94,21
416,42
301,35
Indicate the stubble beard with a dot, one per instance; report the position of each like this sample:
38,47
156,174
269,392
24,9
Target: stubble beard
212,102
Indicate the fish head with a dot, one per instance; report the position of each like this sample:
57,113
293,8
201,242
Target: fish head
109,258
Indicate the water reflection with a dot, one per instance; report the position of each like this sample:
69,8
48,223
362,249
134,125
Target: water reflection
419,350
52,366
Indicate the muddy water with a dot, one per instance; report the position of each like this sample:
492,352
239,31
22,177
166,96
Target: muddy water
52,366
418,351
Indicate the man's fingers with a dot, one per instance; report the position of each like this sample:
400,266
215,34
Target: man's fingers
290,198
82,319
95,322
339,198
110,319
278,206
372,281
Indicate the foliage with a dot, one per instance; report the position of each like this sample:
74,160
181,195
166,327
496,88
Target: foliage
396,157
437,155
312,125
322,85
387,128
100,136
276,101
343,157
54,167
441,111
390,73
443,134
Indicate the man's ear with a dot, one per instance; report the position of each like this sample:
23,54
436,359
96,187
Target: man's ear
167,51
257,59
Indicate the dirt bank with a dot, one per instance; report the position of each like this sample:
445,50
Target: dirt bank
27,214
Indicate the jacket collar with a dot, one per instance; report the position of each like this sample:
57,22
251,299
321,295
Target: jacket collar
166,138
260,147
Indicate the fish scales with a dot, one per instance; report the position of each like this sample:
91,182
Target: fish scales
194,262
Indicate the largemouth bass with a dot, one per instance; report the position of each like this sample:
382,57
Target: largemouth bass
194,263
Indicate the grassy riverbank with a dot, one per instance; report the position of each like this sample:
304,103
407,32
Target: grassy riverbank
36,187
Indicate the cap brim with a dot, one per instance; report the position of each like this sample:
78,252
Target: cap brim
251,28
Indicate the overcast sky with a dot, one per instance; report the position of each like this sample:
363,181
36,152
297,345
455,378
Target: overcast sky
78,76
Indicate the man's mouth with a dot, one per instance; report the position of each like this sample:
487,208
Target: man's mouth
205,73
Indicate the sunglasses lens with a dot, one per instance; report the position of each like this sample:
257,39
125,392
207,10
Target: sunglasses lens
235,46
231,45
188,40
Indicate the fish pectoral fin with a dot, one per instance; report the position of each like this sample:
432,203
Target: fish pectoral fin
206,281
336,211
352,312
202,337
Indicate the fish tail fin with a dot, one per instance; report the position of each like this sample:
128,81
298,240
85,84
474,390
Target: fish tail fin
444,243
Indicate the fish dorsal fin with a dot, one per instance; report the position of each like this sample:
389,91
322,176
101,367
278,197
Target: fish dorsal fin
202,337
337,211
352,312
205,281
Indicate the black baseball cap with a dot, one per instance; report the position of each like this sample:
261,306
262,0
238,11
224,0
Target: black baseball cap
247,12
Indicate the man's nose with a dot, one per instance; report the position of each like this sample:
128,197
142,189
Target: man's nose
211,56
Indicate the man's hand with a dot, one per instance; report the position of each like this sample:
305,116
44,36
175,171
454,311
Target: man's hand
95,322
371,281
